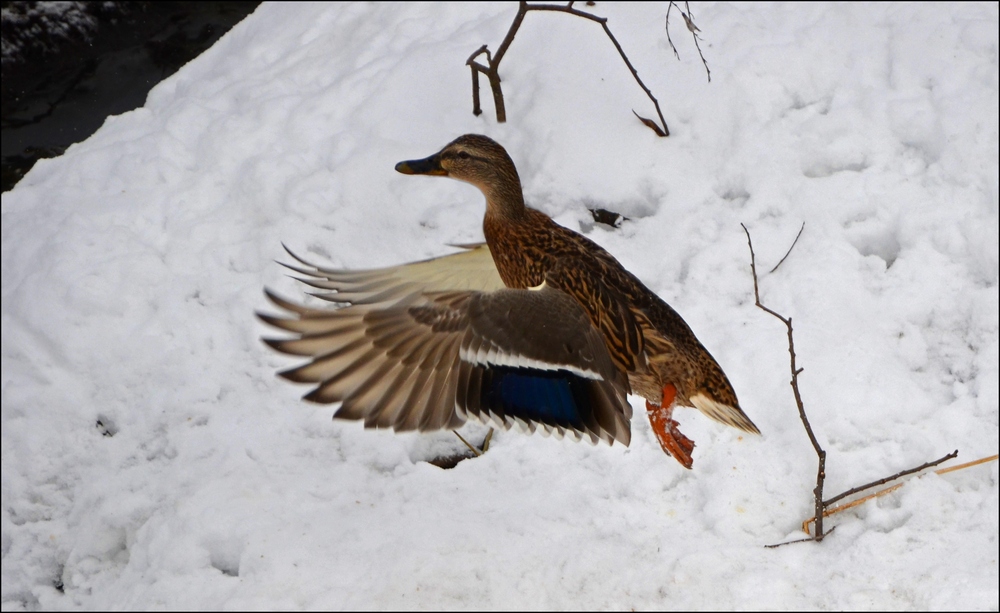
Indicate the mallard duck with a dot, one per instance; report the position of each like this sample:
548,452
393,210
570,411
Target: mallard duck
539,326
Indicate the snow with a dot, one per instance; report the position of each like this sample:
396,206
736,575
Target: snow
133,264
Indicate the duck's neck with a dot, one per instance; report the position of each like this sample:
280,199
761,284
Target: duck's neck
504,198
506,207
505,237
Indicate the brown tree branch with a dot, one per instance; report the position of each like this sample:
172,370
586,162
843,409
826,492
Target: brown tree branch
789,249
821,470
850,505
491,70
821,507
805,540
476,69
902,473
692,28
843,507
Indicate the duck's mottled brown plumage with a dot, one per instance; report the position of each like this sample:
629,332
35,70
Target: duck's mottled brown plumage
644,335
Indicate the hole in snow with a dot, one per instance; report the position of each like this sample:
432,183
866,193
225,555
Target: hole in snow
884,245
226,560
444,449
449,461
224,552
825,168
737,195
58,581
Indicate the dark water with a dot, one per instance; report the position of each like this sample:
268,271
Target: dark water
59,88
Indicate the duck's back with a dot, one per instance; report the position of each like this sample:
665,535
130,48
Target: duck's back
526,250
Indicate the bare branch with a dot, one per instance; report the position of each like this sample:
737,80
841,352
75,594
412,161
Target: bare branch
902,473
689,21
692,28
850,505
822,508
860,501
804,540
670,6
790,248
821,470
491,70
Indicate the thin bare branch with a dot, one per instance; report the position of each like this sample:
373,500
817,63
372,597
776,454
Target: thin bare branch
689,22
805,540
821,469
789,249
670,6
477,53
859,501
902,473
693,28
850,505
823,508
491,70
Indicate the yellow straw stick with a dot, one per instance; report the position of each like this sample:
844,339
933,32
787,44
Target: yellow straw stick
967,464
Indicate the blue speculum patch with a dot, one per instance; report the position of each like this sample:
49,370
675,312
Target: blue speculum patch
555,397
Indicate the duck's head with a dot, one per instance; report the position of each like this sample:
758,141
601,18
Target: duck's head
478,160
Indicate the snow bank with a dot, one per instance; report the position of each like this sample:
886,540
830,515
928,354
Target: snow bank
152,460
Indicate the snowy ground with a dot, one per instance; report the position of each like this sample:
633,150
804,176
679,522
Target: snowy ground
132,266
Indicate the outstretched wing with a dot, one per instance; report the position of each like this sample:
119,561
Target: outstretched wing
471,269
410,351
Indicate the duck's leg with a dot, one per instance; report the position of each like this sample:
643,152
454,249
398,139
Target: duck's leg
661,419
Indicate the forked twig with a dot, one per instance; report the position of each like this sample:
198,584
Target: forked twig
821,471
820,506
692,28
492,67
854,503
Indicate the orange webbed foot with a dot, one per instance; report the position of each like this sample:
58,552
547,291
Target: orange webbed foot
674,443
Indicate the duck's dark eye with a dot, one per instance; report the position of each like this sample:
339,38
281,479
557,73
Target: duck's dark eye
463,155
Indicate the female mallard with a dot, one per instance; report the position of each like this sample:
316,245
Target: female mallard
539,326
